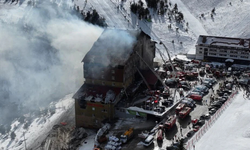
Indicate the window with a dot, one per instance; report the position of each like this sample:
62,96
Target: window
93,108
200,48
244,56
233,52
113,77
213,50
222,55
104,110
244,53
233,55
212,54
205,49
223,51
200,52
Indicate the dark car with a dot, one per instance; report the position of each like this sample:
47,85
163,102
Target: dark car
185,85
207,84
167,102
204,117
171,82
172,147
184,139
199,123
217,104
201,88
212,111
190,133
220,93
213,107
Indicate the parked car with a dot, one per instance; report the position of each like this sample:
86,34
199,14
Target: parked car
217,104
198,122
172,147
195,97
202,88
185,85
207,84
196,128
203,117
171,82
212,111
188,102
197,92
190,133
167,102
243,81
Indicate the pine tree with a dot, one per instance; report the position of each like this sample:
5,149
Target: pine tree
213,10
12,135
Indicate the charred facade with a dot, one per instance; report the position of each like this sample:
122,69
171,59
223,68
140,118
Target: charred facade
109,69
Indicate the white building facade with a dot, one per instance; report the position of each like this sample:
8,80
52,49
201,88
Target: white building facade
212,48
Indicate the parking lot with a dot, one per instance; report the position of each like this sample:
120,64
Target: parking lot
211,100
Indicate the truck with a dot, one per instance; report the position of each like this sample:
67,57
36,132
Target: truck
170,122
128,134
184,112
179,107
160,135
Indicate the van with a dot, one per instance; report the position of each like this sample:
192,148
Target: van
149,140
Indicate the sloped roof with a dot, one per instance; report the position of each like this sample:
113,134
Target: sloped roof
224,41
113,47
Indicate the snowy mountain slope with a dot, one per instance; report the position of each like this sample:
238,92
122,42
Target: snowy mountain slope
158,28
39,128
68,36
228,20
231,131
42,46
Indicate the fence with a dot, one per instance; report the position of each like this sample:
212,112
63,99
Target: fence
190,144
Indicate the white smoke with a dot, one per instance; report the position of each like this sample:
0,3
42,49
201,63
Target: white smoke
41,48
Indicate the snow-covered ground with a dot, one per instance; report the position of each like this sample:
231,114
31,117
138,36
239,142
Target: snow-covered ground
232,130
229,20
39,128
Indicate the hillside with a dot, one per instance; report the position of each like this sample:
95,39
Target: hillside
59,40
229,19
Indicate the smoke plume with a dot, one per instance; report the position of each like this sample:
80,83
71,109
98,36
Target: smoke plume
42,46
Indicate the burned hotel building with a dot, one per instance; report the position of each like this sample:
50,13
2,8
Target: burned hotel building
109,68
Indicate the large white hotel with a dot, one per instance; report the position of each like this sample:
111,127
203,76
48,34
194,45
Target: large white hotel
214,48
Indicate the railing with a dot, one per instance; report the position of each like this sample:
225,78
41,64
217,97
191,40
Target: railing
190,144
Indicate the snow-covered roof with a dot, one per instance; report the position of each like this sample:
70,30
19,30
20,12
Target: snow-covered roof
223,41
